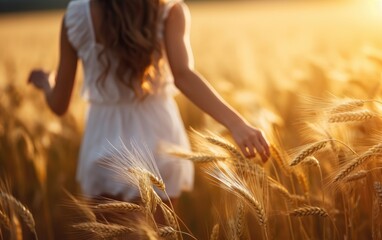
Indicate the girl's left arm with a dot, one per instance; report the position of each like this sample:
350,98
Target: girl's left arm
58,96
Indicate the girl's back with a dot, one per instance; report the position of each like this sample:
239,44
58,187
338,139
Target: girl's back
118,113
83,21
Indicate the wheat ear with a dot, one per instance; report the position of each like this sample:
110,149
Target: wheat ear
275,153
351,116
215,232
103,230
356,176
239,221
310,161
154,180
167,231
378,190
119,206
347,106
227,146
169,216
308,152
4,220
309,211
252,202
20,209
351,166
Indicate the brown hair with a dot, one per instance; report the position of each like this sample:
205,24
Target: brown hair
129,32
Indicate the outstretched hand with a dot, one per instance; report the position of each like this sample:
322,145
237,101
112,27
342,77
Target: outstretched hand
40,79
251,141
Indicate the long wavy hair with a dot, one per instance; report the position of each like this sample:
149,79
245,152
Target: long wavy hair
129,33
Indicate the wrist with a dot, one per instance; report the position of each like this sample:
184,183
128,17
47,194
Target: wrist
233,124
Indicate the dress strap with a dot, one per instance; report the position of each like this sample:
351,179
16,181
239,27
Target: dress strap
90,22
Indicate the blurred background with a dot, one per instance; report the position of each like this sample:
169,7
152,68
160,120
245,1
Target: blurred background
263,56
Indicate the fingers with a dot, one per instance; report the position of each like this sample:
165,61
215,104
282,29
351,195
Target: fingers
256,144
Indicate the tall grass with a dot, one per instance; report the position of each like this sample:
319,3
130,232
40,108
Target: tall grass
265,63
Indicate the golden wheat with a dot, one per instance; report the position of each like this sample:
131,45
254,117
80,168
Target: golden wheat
4,220
169,216
103,230
215,232
347,169
20,209
351,116
378,190
308,152
239,220
309,211
118,206
310,161
347,106
356,176
276,154
154,180
227,146
167,231
255,204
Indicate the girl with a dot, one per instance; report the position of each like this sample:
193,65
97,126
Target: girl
134,53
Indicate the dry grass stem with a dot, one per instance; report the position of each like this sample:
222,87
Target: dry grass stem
308,152
351,116
309,211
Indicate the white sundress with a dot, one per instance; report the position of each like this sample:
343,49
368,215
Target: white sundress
115,114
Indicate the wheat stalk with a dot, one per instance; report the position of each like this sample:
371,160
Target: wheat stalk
308,152
351,116
309,211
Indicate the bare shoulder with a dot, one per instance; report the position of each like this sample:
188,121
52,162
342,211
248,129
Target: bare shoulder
179,11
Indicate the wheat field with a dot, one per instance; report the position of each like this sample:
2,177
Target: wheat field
307,73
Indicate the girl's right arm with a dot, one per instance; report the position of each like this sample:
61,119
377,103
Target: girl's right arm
177,41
